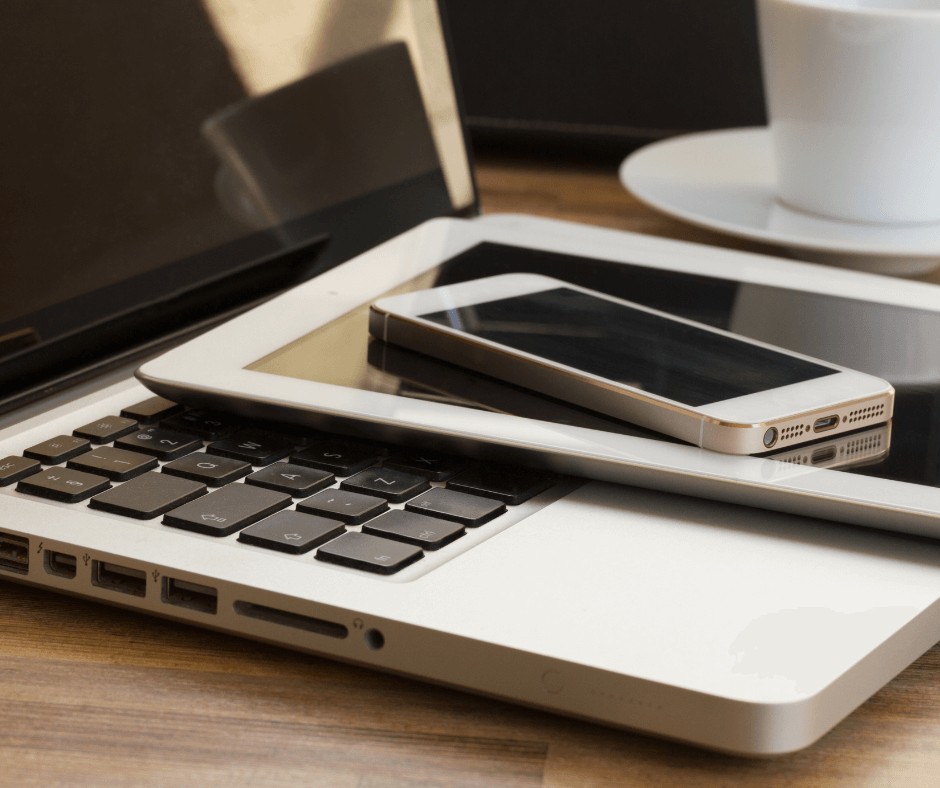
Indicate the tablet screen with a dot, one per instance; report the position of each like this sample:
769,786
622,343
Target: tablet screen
880,339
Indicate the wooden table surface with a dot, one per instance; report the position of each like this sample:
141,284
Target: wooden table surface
97,695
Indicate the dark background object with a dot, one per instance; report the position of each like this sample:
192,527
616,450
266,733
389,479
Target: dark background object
604,76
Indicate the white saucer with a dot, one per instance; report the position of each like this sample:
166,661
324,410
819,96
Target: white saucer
725,181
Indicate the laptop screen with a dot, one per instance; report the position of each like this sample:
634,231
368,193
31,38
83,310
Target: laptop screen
163,162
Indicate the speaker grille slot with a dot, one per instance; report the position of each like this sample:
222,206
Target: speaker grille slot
864,414
791,432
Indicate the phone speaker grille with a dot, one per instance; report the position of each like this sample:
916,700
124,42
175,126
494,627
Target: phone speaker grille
793,431
864,414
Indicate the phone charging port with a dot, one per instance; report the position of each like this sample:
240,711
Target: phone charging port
825,423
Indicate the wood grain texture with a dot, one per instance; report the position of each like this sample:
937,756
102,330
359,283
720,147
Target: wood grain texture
93,695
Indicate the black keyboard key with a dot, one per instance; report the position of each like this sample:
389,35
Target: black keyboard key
427,532
459,507
437,467
388,483
148,496
254,446
369,553
226,511
352,508
118,465
207,425
63,484
160,443
58,449
12,469
292,532
295,480
208,469
107,429
507,484
338,456
151,410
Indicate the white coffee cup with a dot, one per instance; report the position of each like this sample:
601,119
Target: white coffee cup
853,97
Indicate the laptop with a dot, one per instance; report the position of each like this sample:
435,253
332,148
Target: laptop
171,202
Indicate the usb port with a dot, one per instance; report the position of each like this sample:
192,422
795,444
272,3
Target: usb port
119,578
825,423
193,596
14,553
60,564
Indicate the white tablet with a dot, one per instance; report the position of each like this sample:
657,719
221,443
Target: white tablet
306,358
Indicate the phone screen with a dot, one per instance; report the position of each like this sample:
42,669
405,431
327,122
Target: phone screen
633,347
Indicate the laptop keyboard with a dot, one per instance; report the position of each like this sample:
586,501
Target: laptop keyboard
350,503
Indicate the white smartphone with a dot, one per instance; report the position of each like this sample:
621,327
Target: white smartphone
708,387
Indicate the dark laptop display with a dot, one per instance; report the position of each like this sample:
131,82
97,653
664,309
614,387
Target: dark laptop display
163,163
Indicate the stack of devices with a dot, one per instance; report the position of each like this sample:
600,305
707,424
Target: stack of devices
675,489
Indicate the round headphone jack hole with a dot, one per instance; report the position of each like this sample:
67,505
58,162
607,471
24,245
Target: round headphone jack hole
375,640
770,437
